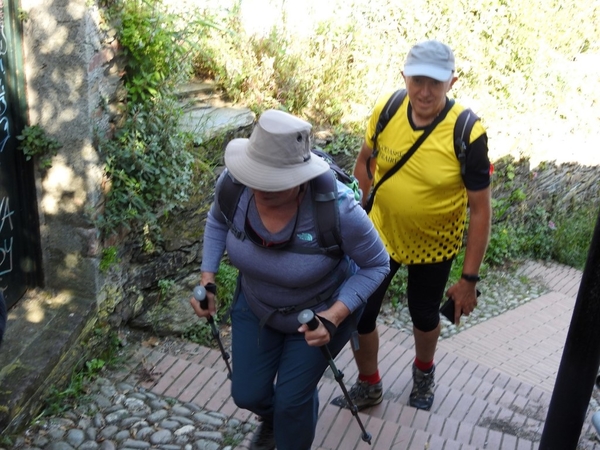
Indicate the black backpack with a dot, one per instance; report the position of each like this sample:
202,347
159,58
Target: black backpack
324,199
462,129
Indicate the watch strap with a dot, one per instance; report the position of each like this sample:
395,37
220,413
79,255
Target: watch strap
470,277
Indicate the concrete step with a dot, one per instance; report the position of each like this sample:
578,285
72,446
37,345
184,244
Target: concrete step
207,113
46,337
201,90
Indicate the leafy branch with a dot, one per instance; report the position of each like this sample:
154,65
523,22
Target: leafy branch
35,143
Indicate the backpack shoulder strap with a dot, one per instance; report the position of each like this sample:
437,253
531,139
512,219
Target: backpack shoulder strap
462,132
324,193
230,191
389,109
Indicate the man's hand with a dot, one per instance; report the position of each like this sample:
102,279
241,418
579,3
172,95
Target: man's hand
464,294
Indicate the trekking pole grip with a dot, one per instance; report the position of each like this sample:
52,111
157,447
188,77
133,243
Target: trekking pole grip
200,296
309,318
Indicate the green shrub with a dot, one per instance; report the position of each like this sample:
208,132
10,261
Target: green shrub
503,246
149,162
396,293
149,165
312,76
536,236
158,45
345,144
110,257
573,232
200,333
333,66
226,281
35,143
62,398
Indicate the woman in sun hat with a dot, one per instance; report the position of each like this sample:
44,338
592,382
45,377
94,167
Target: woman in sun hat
272,240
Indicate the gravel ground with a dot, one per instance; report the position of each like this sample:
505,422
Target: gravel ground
500,290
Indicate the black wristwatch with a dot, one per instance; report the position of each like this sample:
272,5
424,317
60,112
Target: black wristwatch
211,287
471,278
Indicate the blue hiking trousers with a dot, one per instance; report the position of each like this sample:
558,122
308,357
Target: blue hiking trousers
275,375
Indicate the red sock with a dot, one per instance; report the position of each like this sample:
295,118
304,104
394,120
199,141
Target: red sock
423,366
371,379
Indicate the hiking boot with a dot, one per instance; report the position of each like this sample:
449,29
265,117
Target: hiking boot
362,395
263,438
421,396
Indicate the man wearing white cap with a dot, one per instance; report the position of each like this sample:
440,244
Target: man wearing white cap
273,240
420,214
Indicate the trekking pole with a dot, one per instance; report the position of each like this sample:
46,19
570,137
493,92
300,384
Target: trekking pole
200,295
308,317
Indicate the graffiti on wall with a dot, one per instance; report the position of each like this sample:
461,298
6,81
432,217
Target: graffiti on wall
6,229
6,221
4,117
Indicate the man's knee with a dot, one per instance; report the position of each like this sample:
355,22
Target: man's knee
366,328
368,319
426,322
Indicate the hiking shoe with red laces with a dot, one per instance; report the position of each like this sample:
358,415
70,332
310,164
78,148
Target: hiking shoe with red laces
421,396
264,438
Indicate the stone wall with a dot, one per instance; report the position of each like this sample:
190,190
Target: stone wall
73,71
139,300
554,187
71,78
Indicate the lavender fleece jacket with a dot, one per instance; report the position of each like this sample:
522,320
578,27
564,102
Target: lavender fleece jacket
280,278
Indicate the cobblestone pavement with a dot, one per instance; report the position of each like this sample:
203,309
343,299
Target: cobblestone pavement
114,414
122,416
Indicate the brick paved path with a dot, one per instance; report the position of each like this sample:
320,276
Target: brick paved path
494,381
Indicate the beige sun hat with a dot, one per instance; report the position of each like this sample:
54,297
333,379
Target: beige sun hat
277,156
